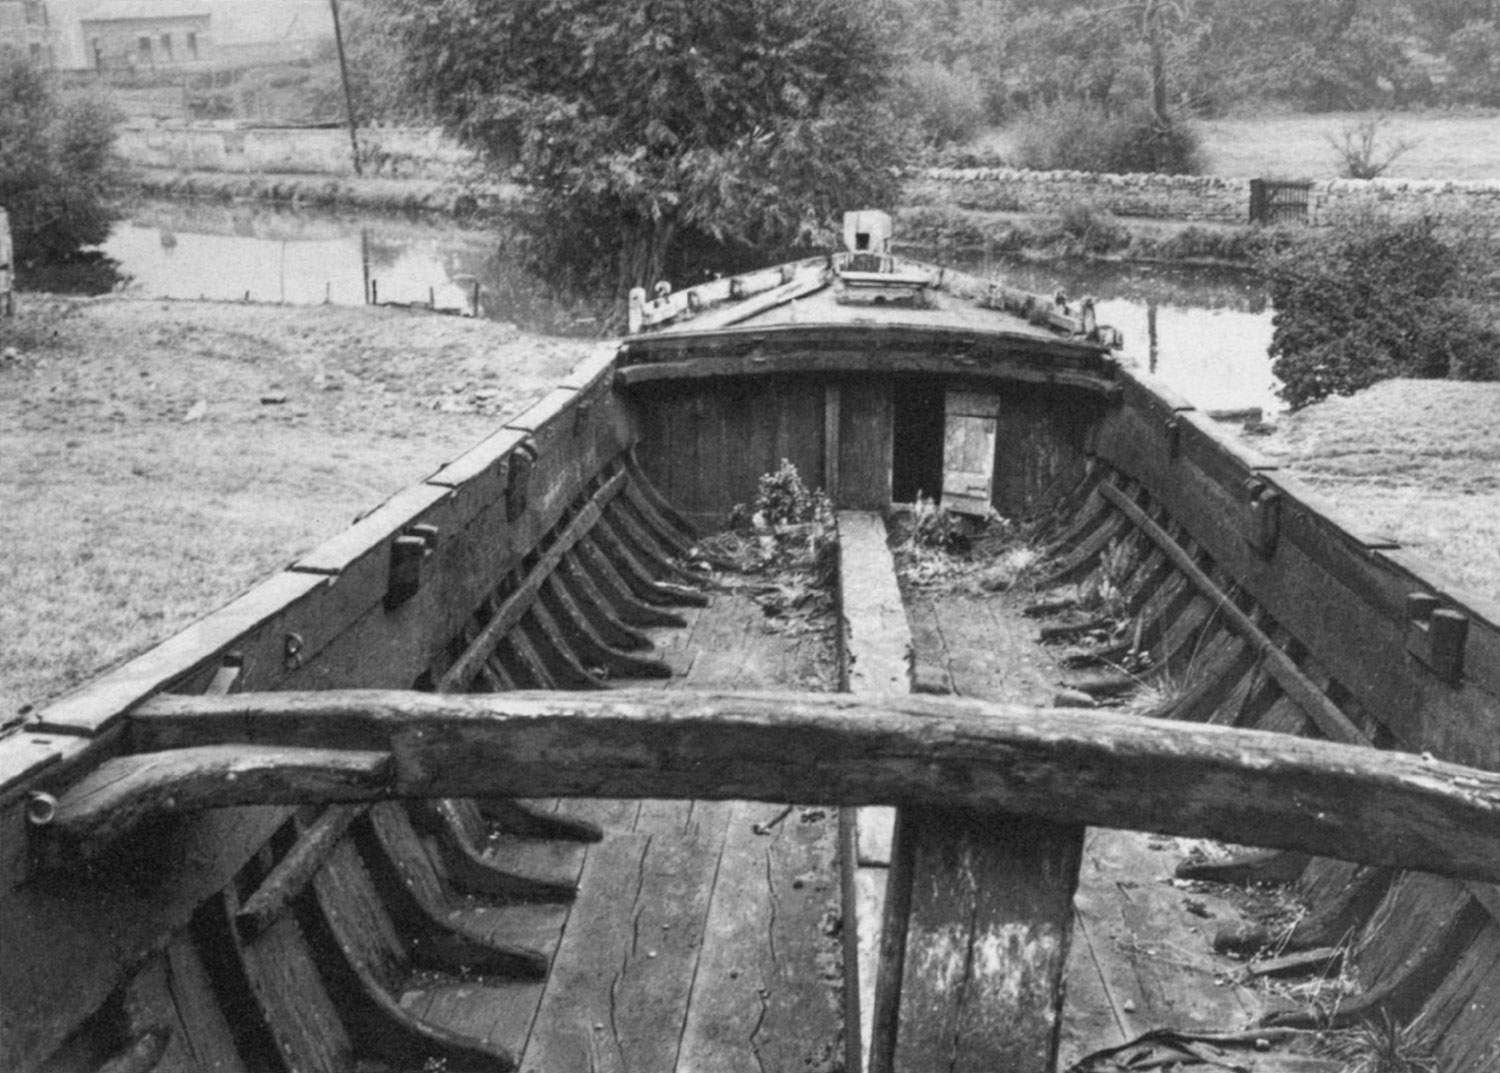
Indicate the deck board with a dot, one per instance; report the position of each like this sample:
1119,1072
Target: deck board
1131,934
991,907
1139,960
769,986
618,992
683,910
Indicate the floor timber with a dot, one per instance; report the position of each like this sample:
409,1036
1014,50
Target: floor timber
1140,957
704,935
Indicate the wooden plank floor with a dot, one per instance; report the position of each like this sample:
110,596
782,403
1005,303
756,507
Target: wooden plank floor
704,935
1138,960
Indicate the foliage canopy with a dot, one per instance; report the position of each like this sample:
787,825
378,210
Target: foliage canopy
1379,299
56,171
645,123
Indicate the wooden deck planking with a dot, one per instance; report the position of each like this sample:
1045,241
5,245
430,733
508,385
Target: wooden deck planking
674,884
769,988
617,996
1139,960
1115,990
880,652
1010,883
987,650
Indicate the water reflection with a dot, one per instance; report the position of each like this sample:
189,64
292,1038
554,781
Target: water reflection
1204,331
259,253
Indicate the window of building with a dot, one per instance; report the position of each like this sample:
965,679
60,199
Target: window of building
36,13
166,47
143,48
36,54
192,44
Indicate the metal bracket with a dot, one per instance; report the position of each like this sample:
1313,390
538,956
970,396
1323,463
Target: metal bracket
1265,517
1173,429
408,551
1436,636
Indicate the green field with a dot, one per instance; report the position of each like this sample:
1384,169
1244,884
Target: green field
1448,145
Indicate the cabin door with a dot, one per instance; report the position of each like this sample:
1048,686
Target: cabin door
969,451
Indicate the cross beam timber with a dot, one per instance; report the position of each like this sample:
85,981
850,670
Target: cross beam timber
1070,766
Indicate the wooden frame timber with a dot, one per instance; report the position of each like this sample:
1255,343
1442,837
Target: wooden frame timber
1093,767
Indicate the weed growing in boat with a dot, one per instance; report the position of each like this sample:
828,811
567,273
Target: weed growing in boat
783,499
787,539
1384,1047
1103,591
936,548
1153,695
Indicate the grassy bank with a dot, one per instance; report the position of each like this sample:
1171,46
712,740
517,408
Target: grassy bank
156,458
1445,144
1417,460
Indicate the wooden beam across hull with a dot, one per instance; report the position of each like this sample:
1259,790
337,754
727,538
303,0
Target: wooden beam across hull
1073,766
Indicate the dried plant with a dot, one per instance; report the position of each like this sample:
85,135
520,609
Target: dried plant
1384,1047
1360,153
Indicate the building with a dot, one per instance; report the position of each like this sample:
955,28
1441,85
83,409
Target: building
24,27
116,35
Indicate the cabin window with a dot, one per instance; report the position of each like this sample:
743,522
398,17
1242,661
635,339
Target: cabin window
917,439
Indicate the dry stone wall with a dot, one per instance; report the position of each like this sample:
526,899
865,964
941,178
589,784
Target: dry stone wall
1174,197
392,153
1197,198
424,153
1475,202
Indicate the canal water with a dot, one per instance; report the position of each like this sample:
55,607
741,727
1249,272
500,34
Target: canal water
1204,332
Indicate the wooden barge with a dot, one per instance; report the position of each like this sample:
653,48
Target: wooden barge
509,775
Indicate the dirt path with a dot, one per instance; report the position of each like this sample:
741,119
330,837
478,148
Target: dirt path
156,458
1418,460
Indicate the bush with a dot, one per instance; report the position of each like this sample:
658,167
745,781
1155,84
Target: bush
1374,300
944,106
56,171
1094,230
1076,137
781,498
1361,155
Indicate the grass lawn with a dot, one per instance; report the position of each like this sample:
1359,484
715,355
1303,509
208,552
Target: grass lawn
158,458
1448,145
1418,460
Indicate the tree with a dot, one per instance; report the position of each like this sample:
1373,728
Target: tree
1474,55
1323,55
56,171
641,124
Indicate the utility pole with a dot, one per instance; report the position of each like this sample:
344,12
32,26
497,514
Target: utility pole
338,40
